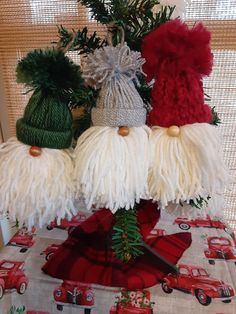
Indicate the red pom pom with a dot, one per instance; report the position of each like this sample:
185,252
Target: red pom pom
174,42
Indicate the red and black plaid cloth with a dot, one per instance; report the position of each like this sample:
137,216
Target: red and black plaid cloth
86,256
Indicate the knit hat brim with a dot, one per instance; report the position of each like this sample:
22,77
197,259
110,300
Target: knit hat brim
116,117
36,137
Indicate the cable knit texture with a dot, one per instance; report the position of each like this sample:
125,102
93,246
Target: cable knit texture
178,58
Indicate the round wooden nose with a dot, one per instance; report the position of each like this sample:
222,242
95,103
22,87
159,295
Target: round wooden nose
35,151
123,130
173,131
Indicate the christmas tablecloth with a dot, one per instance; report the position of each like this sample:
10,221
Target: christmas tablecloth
206,282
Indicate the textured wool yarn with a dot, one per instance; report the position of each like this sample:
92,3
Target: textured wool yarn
36,168
187,160
111,170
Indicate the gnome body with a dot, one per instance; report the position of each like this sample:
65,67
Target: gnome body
112,156
36,168
187,162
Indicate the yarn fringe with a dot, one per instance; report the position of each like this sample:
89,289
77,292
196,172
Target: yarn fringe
35,190
187,166
111,170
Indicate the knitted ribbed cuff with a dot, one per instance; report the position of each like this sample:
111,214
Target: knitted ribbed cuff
42,138
119,117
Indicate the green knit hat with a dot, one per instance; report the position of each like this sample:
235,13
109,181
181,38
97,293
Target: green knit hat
47,120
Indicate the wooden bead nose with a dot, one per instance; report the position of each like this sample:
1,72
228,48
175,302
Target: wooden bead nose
123,130
35,151
173,131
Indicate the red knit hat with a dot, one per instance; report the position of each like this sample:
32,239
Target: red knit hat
177,58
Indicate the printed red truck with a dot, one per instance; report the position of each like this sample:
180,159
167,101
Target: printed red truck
23,239
68,224
196,281
71,292
50,250
12,277
133,302
220,248
155,233
186,223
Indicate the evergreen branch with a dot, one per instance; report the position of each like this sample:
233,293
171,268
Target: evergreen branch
137,23
126,238
99,9
200,202
215,117
80,41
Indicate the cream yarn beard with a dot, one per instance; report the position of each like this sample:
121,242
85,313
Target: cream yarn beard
35,190
186,166
111,170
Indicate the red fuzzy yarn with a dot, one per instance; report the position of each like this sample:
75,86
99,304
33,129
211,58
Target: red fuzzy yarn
177,58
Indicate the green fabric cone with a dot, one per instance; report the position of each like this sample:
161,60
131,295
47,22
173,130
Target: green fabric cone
47,122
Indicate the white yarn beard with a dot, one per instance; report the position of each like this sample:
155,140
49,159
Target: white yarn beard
187,166
111,170
35,190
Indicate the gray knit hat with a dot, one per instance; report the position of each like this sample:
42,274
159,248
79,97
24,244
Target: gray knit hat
113,69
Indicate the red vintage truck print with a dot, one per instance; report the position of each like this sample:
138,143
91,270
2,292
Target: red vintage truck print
186,223
133,302
155,233
23,238
12,276
220,248
196,281
68,224
50,250
74,293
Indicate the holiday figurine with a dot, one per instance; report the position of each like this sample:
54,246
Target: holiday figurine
112,156
186,163
36,167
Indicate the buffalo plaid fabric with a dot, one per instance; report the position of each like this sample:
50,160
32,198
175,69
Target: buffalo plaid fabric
87,256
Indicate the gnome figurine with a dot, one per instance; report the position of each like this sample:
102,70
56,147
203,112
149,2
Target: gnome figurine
112,156
187,162
36,168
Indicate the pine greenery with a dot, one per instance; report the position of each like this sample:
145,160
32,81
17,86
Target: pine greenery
126,238
79,41
215,117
